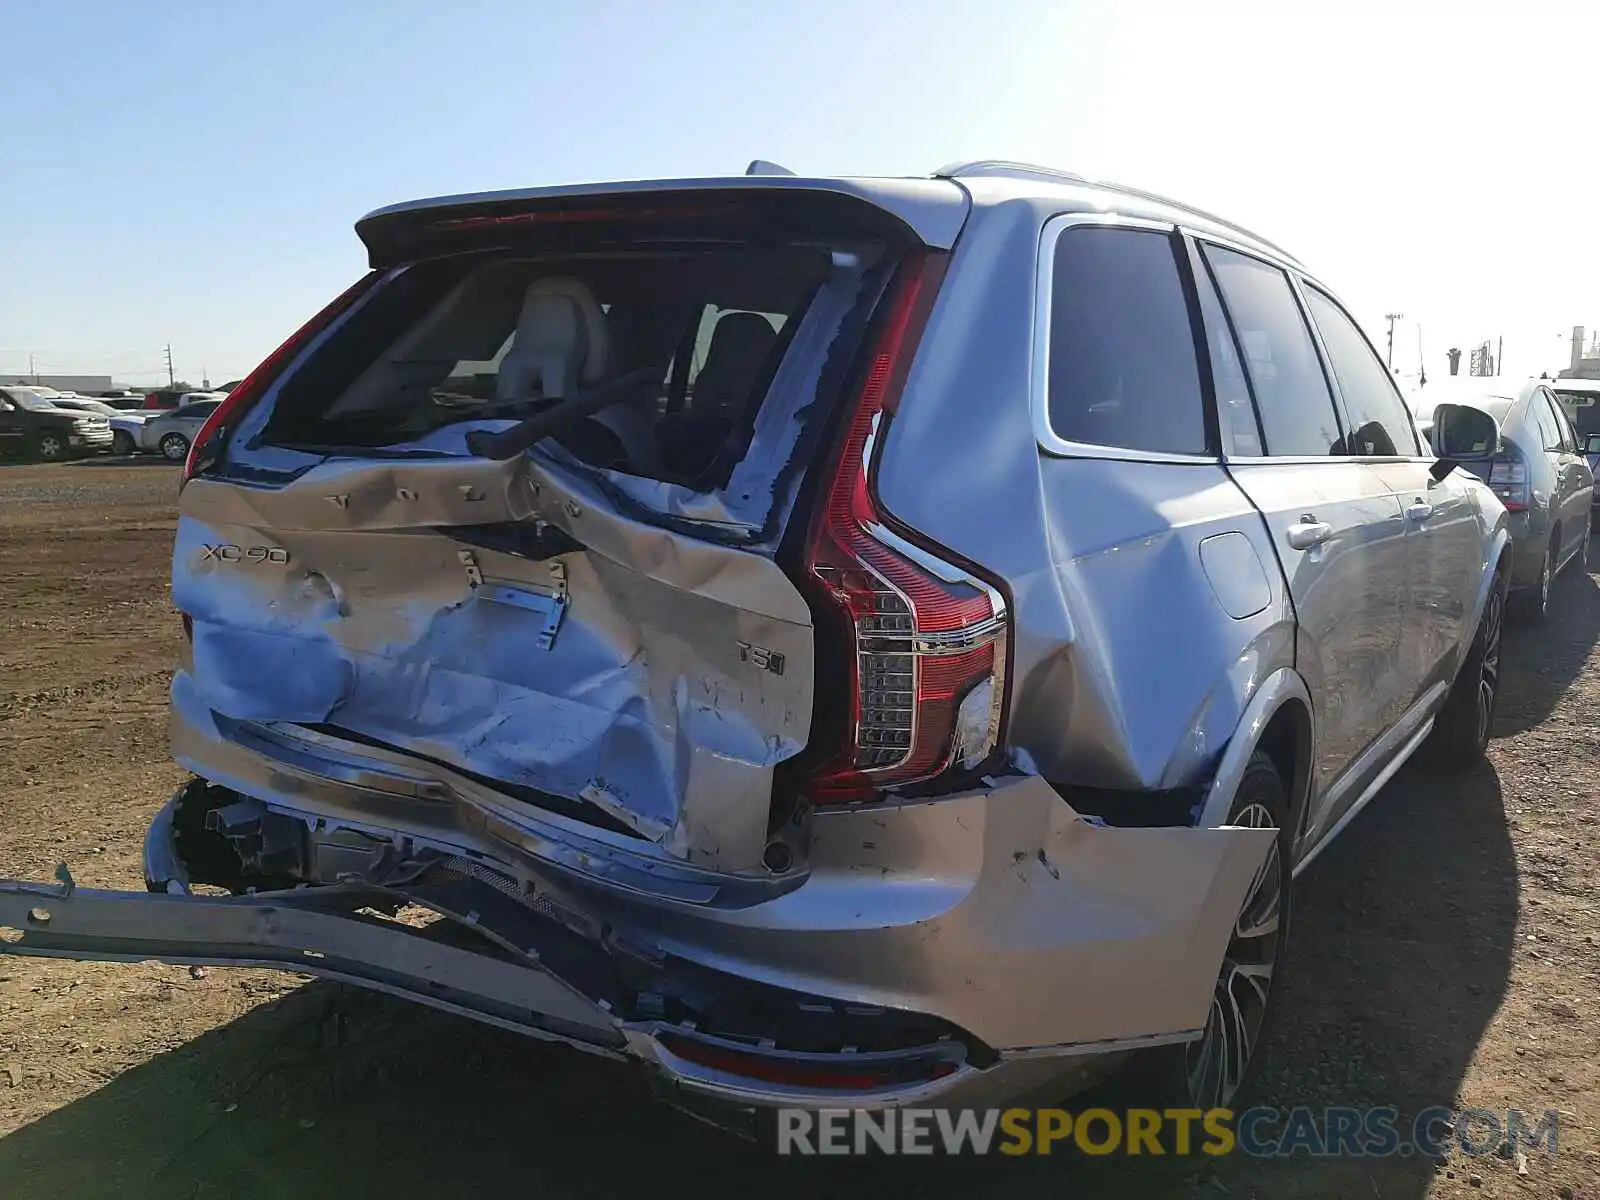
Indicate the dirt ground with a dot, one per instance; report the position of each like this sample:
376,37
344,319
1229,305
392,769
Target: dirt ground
1444,953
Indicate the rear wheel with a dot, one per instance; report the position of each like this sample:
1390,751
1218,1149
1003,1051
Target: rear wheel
1461,731
1534,603
1213,1070
51,447
175,447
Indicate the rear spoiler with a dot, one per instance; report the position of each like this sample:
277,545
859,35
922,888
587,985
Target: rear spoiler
929,211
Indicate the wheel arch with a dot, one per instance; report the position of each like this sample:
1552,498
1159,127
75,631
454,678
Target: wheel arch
1279,719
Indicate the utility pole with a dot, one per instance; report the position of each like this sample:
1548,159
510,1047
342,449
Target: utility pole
1499,352
170,376
31,370
1392,318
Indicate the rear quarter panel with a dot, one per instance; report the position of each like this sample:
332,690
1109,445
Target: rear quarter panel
1126,671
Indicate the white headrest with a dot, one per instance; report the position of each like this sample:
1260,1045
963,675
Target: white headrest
560,345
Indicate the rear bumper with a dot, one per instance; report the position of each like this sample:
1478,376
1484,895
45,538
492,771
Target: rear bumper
297,931
1100,935
1045,944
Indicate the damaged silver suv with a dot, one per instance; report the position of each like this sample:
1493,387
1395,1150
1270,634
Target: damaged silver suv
836,642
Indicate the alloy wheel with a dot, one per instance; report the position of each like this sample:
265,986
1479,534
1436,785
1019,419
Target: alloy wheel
175,446
50,446
1216,1063
1489,668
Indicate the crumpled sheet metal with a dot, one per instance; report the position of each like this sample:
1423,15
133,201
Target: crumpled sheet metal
643,706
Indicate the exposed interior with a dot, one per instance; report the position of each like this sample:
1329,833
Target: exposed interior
505,336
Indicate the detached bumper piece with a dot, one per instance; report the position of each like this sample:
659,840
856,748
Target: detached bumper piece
299,931
469,964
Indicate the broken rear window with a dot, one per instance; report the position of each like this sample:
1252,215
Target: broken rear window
503,336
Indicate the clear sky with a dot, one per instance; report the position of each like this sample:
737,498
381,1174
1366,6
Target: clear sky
189,172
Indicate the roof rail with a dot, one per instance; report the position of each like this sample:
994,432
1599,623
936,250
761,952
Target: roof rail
995,167
761,166
1154,198
1009,170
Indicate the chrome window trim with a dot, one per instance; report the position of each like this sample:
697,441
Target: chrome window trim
1039,362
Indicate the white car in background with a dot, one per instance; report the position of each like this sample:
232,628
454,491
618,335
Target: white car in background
170,433
125,425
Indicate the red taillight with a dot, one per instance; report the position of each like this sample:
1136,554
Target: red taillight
209,443
1508,479
926,638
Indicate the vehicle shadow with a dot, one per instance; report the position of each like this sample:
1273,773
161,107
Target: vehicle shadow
1540,664
1400,957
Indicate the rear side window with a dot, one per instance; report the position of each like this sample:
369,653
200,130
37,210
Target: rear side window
1122,369
1549,423
1543,423
1291,392
1569,436
1379,422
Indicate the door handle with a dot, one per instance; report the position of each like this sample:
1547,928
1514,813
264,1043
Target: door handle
1303,535
1419,510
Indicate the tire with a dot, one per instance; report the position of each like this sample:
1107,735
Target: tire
50,447
122,443
1205,1074
1533,604
1461,731
174,447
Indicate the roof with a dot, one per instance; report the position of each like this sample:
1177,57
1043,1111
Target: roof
935,207
1574,385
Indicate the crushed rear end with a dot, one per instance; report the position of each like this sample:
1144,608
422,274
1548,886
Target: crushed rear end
539,586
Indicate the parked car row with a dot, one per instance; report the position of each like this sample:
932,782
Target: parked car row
32,425
42,423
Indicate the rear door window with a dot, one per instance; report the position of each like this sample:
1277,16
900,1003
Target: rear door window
1236,411
1291,391
1122,370
1379,421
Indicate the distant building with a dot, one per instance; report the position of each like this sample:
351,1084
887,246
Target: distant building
1585,363
64,383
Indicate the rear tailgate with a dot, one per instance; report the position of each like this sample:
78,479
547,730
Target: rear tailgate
615,646
365,595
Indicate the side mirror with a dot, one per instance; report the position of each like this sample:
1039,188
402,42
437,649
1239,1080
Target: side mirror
1462,434
1591,443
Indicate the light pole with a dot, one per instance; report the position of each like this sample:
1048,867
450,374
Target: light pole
1392,318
